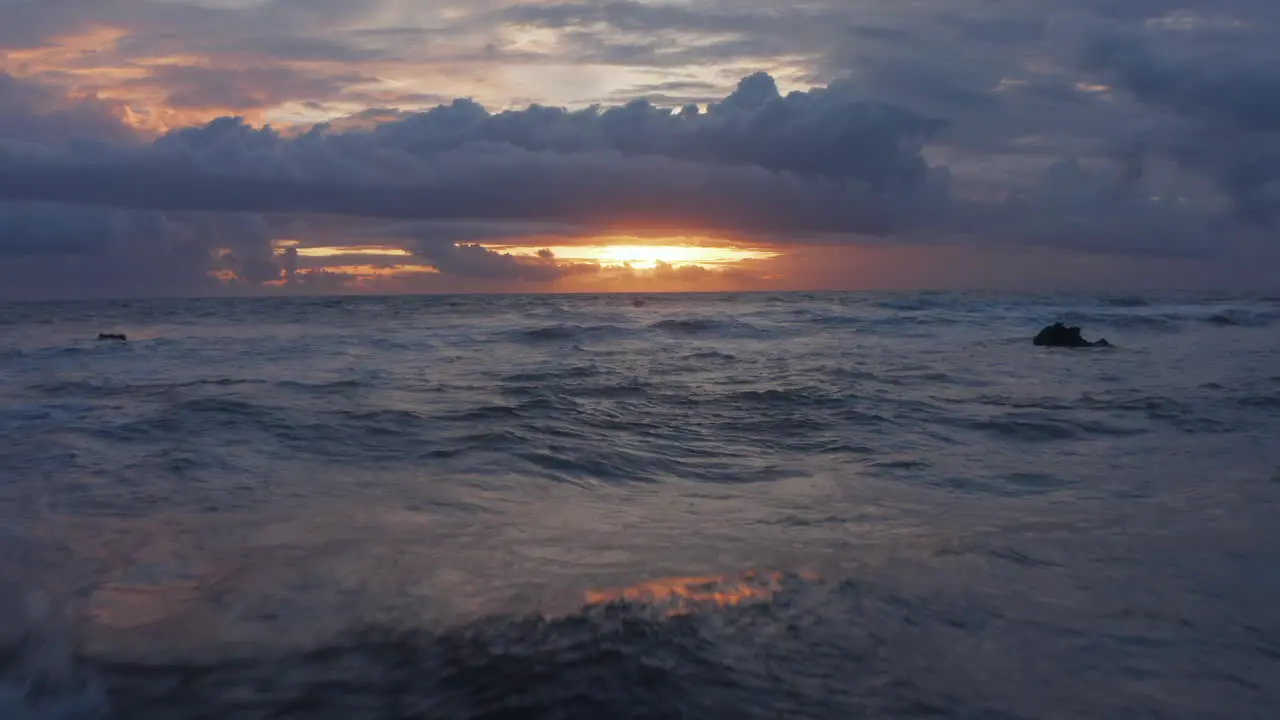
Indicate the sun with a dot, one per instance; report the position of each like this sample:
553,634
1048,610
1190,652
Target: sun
647,256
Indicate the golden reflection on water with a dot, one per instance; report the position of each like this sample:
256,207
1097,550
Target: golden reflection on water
684,595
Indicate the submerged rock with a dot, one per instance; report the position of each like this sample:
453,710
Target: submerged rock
112,336
1059,335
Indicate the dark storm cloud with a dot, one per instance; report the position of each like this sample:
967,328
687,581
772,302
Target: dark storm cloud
1224,112
34,114
1096,211
71,249
42,229
1225,90
820,133
76,251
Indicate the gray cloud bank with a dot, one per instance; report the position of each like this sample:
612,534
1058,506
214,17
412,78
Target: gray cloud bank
816,161
1121,139
1225,116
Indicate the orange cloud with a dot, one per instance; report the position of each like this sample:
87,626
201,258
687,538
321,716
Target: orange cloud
160,92
89,65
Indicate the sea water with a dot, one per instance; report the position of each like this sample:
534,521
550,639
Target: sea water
696,506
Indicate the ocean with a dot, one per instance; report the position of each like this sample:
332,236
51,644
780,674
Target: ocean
803,505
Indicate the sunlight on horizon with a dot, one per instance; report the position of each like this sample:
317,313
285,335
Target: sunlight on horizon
637,255
643,257
607,259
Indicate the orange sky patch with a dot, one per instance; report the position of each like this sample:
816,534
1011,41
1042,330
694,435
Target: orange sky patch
88,65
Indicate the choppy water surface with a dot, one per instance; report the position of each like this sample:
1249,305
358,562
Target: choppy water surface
702,506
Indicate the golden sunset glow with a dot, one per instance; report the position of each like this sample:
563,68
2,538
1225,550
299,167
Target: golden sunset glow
319,252
627,266
645,257
684,595
380,270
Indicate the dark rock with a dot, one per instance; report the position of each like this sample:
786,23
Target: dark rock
1059,335
112,336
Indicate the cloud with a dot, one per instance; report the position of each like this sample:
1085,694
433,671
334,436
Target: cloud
40,229
1229,91
819,161
75,251
1101,210
1222,115
31,113
245,88
478,262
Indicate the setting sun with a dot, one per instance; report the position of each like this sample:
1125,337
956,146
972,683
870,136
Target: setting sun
646,257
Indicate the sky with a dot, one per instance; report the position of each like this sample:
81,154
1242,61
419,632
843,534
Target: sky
205,147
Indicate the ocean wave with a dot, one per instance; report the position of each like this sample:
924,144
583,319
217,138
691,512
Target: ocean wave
487,413
789,397
577,372
39,680
1030,402
918,303
1241,318
838,321
613,466
1172,320
758,646
1126,301
1016,485
1267,401
381,419
711,355
705,326
92,389
1024,429
1040,427
562,332
633,389
1159,322
1183,415
321,387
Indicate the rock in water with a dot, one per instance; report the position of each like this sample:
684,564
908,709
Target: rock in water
1059,335
112,336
